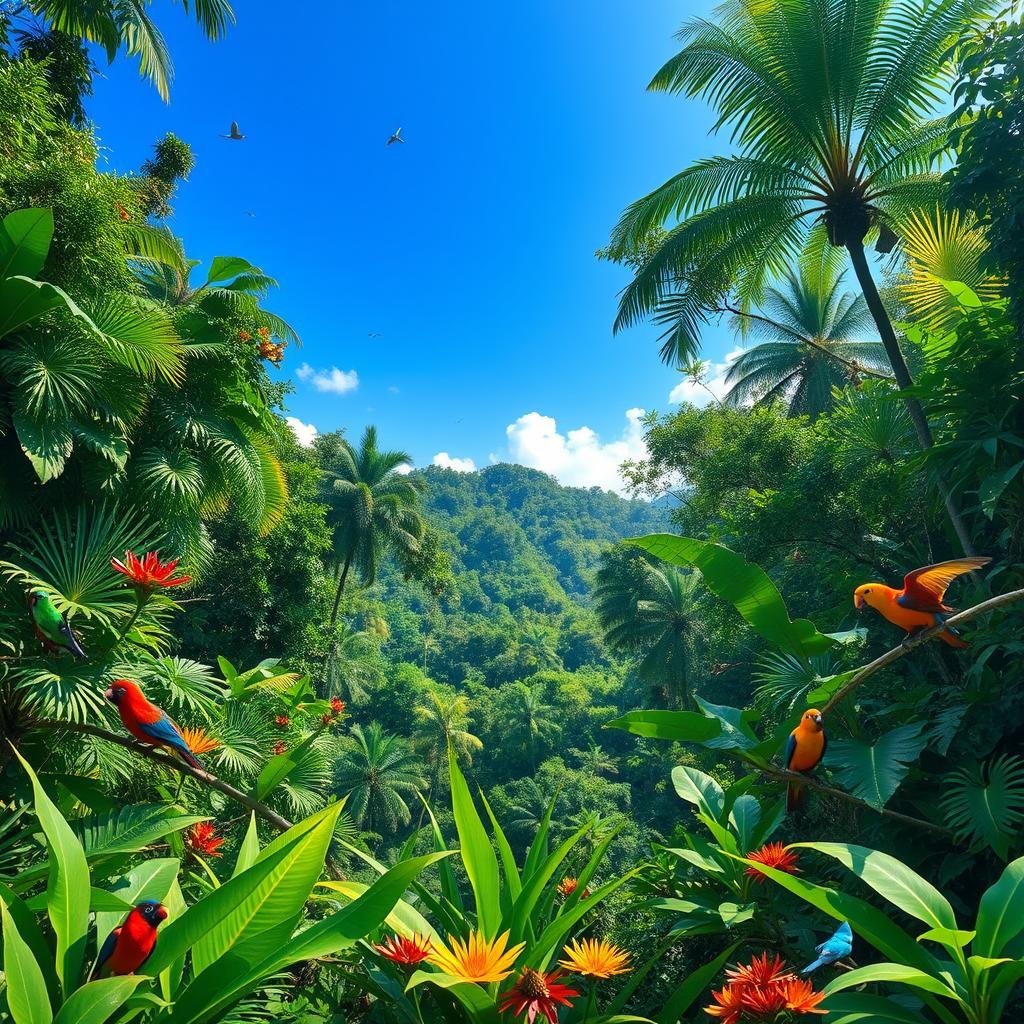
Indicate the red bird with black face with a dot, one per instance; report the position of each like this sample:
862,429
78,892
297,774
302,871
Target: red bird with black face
128,947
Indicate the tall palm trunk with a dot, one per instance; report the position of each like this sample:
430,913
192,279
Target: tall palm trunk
904,380
341,588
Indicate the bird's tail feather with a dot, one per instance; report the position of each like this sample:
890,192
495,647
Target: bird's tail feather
796,797
813,966
952,637
189,758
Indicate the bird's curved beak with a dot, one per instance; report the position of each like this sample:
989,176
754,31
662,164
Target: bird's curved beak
109,694
161,913
817,720
859,603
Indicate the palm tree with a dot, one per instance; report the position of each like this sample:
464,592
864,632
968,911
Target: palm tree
650,613
595,761
811,344
378,773
442,722
531,719
827,103
373,509
526,814
114,23
349,666
538,640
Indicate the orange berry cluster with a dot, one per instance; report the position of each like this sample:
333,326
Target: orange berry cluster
267,348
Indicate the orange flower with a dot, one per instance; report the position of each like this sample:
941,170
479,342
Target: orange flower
198,742
405,951
244,336
337,705
478,960
760,971
537,993
728,1004
202,838
264,333
122,213
282,721
327,718
594,958
279,747
801,997
567,886
772,855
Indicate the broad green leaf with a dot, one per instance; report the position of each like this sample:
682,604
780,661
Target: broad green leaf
279,767
23,300
26,987
269,913
992,487
238,972
96,1002
105,440
681,726
25,242
697,787
743,818
261,899
513,883
744,585
874,773
249,849
698,860
986,801
480,1007
223,268
899,973
405,919
862,1008
892,880
101,901
736,733
1001,911
693,987
477,852
27,927
953,938
867,921
46,442
68,886
733,914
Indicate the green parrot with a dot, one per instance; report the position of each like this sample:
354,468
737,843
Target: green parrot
51,627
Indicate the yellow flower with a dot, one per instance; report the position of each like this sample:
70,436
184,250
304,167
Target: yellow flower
477,959
595,958
198,742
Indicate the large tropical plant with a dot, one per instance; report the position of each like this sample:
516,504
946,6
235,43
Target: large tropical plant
834,111
811,339
374,508
442,722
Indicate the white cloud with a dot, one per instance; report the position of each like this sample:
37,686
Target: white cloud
404,469
340,382
446,461
392,390
714,377
304,432
577,458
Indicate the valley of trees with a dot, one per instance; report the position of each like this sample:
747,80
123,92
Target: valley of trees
359,742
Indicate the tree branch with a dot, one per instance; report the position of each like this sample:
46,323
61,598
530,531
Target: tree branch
916,639
268,814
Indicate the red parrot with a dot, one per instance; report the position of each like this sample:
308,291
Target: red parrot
147,723
919,605
127,948
804,750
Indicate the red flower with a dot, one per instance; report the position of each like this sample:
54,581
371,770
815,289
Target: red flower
279,747
801,997
405,951
244,336
728,1004
282,721
567,886
537,993
760,991
773,855
327,718
337,705
760,971
149,574
202,838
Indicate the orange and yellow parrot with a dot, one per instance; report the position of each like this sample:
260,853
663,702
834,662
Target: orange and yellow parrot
919,605
804,750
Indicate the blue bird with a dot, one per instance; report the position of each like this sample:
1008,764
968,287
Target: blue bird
833,949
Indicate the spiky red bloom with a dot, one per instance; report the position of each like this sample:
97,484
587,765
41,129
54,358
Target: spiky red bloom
202,838
244,336
728,1004
772,855
405,951
282,721
279,747
149,574
537,993
327,718
801,997
760,971
337,705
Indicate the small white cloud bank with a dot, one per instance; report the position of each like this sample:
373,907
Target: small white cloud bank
446,461
404,469
713,386
577,458
338,382
304,432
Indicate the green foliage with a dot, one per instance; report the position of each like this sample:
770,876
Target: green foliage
874,772
984,803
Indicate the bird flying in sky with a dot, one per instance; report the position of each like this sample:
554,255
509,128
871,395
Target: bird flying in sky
397,137
920,604
148,723
50,626
235,135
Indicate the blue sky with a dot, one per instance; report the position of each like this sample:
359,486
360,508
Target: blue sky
470,249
